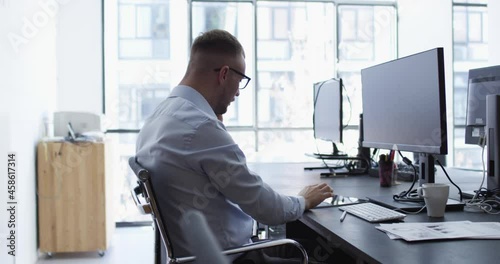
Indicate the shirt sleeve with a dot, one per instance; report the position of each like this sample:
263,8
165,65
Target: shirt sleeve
224,163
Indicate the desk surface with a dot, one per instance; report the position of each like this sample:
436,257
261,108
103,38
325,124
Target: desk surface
360,238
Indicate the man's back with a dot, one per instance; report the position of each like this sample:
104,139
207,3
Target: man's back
181,145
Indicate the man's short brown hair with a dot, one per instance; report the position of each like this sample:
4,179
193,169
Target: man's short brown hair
217,42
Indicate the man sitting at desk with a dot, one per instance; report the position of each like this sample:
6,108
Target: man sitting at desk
196,165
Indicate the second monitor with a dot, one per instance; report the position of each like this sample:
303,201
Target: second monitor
404,107
327,115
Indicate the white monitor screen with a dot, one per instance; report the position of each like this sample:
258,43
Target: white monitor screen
404,104
328,110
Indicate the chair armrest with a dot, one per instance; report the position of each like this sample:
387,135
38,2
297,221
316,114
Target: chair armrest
268,244
256,246
143,208
184,259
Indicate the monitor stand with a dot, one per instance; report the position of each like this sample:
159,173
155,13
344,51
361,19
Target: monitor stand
389,202
361,162
336,154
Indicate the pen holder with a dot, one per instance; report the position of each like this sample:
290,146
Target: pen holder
385,173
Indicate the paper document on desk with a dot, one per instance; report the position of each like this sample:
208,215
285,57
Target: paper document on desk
442,230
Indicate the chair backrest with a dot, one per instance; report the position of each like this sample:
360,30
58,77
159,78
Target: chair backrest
201,240
150,206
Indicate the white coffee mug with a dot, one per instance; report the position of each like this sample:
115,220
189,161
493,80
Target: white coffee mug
435,196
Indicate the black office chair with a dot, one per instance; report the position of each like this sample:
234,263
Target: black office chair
149,206
203,243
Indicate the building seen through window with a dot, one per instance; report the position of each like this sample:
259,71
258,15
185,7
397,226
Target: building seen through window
470,51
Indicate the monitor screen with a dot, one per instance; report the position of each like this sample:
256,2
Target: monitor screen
404,108
327,115
404,105
482,82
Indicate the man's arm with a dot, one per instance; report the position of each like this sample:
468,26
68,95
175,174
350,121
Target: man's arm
224,163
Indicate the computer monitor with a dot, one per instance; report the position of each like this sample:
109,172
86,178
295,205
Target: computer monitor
327,115
404,107
482,82
493,138
482,117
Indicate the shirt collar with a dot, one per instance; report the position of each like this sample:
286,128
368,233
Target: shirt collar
193,96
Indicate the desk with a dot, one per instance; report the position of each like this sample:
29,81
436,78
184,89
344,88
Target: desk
360,239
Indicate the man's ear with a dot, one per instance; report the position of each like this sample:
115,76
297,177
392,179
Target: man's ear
223,74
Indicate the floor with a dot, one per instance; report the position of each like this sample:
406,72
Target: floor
129,245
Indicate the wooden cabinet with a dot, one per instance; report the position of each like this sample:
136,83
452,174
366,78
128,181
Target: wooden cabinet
74,196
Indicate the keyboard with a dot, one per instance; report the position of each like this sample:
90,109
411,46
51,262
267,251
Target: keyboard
372,213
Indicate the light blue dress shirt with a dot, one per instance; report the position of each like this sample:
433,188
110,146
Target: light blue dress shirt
195,164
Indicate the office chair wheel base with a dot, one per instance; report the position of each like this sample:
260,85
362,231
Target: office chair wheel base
101,253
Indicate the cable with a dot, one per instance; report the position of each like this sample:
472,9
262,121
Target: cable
406,196
407,212
447,176
483,205
484,175
374,153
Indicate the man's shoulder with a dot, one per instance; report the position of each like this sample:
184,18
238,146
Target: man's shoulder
180,114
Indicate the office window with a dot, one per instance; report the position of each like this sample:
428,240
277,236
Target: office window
470,50
272,97
237,19
124,209
367,36
291,56
136,104
460,82
273,27
276,144
356,32
140,70
143,29
470,33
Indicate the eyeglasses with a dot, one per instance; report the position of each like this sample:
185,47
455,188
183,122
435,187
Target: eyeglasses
244,82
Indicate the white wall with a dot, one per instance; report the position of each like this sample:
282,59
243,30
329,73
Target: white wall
27,87
49,49
79,56
424,25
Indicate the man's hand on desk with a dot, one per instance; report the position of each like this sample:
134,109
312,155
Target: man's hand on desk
315,194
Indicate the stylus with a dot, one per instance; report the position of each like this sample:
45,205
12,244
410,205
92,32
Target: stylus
342,217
